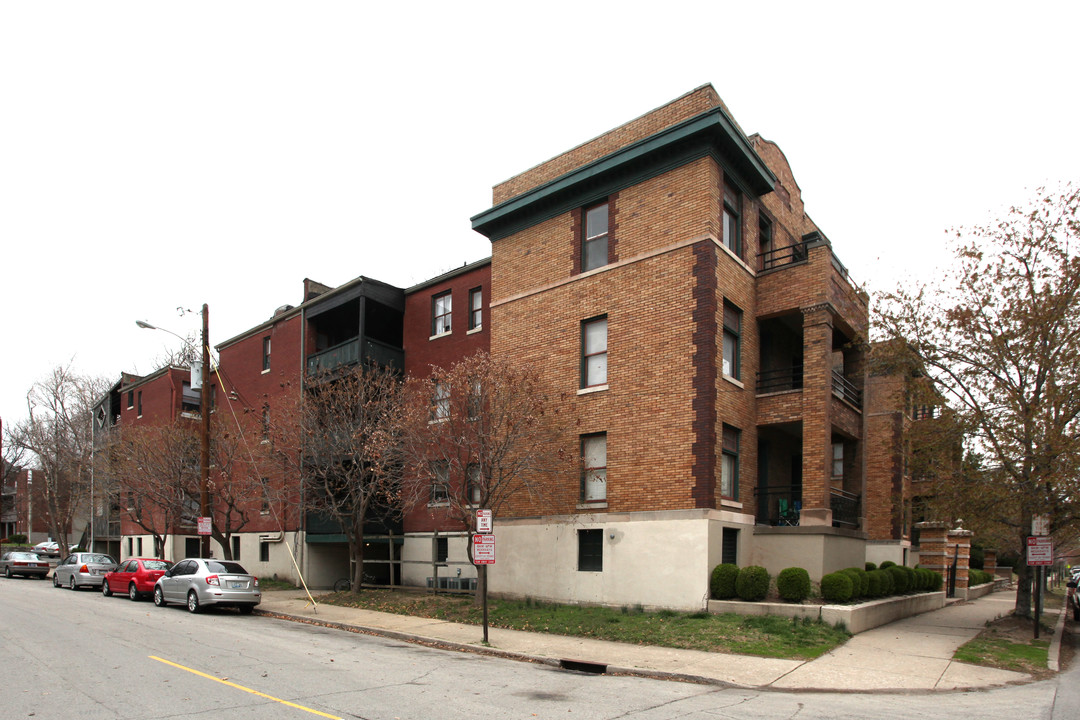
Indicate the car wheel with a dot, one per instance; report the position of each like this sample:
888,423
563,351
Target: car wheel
55,580
246,609
1076,613
105,589
193,601
159,597
7,573
133,592
71,583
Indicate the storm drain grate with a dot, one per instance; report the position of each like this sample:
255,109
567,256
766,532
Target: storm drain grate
583,666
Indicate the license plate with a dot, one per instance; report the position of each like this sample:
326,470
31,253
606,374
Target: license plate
236,585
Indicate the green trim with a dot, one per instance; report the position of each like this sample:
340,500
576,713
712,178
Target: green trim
710,134
339,538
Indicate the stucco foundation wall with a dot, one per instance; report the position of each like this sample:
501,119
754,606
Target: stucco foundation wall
656,560
862,617
878,553
416,556
816,551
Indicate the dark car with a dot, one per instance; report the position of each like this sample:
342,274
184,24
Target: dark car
134,577
26,564
198,582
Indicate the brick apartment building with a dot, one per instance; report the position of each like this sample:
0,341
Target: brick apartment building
668,282
704,338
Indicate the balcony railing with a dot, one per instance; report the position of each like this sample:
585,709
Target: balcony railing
783,256
770,381
844,389
778,505
845,508
349,353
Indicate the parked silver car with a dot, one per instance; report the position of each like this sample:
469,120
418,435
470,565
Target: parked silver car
82,569
198,582
26,564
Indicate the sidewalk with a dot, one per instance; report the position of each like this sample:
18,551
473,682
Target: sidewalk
910,654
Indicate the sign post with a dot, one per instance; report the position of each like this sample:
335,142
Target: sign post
1040,554
204,526
483,554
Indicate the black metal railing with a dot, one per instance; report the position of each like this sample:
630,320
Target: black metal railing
846,390
845,508
783,256
789,378
352,352
778,505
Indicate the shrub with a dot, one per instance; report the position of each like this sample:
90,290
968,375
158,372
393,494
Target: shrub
876,586
19,539
836,587
922,582
793,584
888,585
901,583
870,566
887,564
936,581
910,572
752,584
856,583
722,582
978,577
864,582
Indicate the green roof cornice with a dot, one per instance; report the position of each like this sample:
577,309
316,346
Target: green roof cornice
711,133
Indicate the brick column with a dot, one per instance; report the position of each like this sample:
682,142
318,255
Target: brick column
990,562
960,548
817,422
933,546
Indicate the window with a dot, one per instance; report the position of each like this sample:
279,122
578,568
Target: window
191,549
474,403
264,508
235,539
729,463
264,552
442,549
476,306
765,240
265,423
732,334
729,546
190,400
594,352
474,488
594,468
440,403
131,399
838,460
140,404
440,483
440,314
138,545
732,221
266,354
594,246
590,556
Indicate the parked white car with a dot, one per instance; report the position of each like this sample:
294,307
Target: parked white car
82,570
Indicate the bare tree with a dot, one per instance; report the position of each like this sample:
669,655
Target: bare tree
350,439
999,336
156,473
58,433
482,434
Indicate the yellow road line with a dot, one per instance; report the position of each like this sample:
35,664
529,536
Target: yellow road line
247,690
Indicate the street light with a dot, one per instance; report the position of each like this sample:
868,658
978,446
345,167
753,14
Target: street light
204,406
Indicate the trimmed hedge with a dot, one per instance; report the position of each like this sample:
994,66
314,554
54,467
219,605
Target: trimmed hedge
870,566
752,584
887,564
901,582
722,581
793,584
836,587
876,585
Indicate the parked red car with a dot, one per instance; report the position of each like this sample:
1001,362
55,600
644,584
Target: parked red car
135,577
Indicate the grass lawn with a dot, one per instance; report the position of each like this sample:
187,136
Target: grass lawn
748,635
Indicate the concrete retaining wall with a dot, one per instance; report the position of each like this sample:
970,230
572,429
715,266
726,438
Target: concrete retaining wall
857,618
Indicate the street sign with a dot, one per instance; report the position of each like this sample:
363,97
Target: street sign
1040,525
483,522
1040,550
483,550
204,526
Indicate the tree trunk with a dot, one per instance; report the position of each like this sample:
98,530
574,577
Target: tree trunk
1024,578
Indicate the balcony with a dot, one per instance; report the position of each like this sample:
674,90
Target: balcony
778,505
845,508
783,256
352,352
782,380
845,390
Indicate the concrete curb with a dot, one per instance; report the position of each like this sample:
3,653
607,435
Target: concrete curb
1053,654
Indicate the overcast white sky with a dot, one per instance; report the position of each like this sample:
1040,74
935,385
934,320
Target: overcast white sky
156,155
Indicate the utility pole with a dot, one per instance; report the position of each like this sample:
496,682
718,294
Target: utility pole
204,455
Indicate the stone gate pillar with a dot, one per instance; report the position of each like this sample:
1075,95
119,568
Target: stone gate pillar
960,550
990,562
933,544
